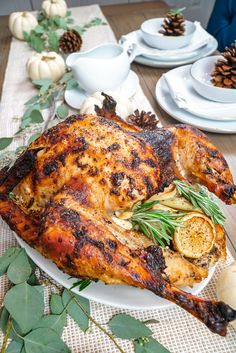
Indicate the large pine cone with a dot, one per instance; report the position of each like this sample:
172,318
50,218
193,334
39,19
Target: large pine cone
224,74
70,41
144,120
173,25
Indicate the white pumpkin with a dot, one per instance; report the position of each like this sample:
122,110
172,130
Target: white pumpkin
54,8
46,65
226,287
123,108
20,22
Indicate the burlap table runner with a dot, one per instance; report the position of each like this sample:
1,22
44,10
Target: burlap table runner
177,330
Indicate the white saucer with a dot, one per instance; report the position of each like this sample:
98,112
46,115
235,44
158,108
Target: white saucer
75,97
169,106
200,53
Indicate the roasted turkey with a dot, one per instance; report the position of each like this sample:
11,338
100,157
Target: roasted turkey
69,181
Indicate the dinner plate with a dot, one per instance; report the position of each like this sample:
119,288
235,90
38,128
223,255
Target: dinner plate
166,102
181,87
200,53
75,97
119,296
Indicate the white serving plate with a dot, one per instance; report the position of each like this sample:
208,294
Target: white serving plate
200,53
166,102
119,296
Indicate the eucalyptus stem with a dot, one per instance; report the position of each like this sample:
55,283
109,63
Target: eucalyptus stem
9,322
97,324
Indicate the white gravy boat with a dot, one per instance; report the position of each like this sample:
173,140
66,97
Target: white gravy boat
101,68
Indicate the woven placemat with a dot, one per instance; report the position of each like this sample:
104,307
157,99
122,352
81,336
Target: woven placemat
177,330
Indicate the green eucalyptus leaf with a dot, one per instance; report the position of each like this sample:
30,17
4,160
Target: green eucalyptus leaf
74,310
53,41
26,36
32,100
25,304
151,346
66,77
5,260
36,42
39,29
56,304
5,142
70,20
79,29
29,110
43,82
44,340
36,117
47,103
4,316
68,13
62,111
34,137
25,123
19,270
40,290
14,347
72,83
127,327
55,322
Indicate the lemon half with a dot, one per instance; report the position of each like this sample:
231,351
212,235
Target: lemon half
197,237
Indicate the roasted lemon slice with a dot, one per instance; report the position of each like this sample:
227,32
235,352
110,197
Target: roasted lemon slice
197,237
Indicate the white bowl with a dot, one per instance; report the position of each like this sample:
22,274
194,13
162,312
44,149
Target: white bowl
150,34
201,79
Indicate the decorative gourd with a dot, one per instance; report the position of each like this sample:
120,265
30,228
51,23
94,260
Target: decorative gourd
226,287
54,8
123,108
20,22
46,65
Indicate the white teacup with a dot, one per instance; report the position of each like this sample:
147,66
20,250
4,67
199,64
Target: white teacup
102,68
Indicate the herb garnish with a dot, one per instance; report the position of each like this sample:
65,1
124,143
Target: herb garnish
81,284
199,198
156,224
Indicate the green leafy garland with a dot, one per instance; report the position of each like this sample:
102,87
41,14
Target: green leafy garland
45,36
23,318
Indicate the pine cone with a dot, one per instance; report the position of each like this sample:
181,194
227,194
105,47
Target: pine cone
70,41
173,24
224,74
144,120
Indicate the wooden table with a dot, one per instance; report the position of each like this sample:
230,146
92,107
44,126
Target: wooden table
123,19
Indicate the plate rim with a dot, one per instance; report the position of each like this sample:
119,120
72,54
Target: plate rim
185,117
212,46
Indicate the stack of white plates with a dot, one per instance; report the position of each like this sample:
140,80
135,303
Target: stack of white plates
201,45
176,95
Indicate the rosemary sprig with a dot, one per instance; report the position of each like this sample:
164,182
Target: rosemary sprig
199,198
81,284
156,224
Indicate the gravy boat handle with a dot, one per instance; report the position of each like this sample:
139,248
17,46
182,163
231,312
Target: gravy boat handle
132,50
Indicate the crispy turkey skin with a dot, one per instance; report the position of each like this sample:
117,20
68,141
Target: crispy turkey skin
70,180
